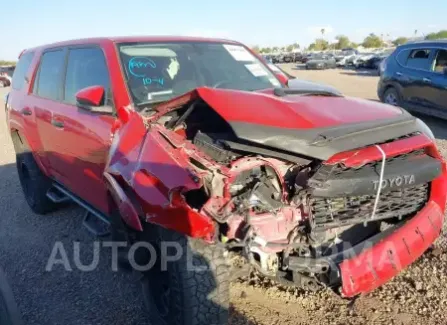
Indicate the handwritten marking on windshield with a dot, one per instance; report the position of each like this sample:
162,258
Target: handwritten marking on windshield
138,66
149,81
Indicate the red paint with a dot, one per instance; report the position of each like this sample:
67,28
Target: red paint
90,96
122,201
295,112
282,78
359,157
380,263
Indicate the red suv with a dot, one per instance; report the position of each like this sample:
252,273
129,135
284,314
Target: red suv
195,147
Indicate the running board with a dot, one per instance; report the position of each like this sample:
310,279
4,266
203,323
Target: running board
94,221
57,196
95,225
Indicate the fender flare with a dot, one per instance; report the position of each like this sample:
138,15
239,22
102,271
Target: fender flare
125,206
21,145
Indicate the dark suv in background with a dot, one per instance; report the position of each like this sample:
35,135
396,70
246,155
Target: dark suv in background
414,76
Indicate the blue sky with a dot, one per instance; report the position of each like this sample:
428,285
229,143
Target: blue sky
28,23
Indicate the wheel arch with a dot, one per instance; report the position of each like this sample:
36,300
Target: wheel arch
21,145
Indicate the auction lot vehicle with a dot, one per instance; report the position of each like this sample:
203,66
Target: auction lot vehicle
321,62
196,141
414,77
5,75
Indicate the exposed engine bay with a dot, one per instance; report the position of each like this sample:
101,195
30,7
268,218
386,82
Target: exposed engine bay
285,212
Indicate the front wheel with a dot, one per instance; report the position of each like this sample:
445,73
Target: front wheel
192,289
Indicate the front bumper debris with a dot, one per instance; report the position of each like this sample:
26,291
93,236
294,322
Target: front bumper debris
379,263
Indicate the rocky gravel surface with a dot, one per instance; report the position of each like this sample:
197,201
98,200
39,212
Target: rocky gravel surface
417,296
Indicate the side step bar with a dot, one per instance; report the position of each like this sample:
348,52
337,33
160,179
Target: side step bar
57,197
94,221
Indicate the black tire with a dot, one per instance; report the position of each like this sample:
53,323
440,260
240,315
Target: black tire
9,313
35,184
392,97
180,296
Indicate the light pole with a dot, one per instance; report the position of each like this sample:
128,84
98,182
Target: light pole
322,33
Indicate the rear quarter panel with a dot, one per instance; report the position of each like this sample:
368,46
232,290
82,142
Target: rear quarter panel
26,127
388,76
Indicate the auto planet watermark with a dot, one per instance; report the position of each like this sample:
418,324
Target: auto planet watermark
169,252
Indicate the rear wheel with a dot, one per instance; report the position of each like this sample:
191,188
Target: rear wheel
35,184
193,289
392,97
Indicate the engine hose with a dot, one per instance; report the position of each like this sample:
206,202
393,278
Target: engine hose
379,188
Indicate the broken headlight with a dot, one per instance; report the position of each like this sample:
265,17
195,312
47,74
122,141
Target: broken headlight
257,189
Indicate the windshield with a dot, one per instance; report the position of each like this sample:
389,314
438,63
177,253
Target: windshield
158,72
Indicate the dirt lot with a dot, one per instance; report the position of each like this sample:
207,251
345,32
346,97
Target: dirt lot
350,82
417,296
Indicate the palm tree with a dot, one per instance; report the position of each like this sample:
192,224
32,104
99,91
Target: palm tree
322,32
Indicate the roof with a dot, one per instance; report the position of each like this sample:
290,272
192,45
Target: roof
433,41
131,39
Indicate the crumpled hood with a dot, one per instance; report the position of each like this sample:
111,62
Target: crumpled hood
311,126
293,111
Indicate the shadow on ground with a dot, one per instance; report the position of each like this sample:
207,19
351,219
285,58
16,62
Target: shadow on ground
299,66
360,72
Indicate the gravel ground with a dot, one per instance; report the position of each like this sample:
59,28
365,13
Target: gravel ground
417,296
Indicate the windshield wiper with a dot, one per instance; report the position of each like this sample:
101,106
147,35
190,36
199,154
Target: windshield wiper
282,92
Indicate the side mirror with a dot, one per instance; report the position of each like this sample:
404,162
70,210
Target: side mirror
282,78
92,100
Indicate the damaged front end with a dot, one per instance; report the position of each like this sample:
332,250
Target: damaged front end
294,216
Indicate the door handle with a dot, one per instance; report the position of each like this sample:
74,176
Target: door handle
58,124
399,74
426,80
26,112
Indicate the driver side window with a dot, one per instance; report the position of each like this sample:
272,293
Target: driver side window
86,67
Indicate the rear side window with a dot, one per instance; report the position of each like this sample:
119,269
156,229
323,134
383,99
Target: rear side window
86,67
416,58
50,75
440,62
18,78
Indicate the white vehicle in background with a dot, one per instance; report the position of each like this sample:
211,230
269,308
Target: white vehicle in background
344,57
6,73
344,61
360,59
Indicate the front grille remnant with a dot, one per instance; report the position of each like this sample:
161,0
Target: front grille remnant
335,212
339,170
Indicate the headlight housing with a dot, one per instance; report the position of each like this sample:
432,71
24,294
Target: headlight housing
425,129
